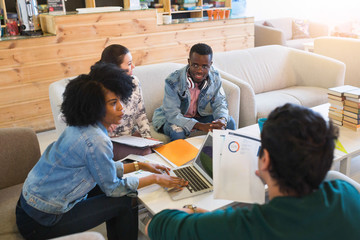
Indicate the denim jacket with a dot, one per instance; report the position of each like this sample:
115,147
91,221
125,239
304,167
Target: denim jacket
212,101
72,166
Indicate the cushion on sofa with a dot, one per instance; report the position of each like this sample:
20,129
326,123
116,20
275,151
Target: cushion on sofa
301,95
300,29
258,67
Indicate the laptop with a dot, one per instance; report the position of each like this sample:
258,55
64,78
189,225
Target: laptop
199,173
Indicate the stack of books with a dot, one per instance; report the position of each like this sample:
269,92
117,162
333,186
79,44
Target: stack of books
352,109
336,99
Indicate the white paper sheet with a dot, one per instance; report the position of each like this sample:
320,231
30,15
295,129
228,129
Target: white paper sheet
235,159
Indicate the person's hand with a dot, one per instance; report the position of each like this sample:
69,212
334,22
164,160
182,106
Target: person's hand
188,210
111,130
205,127
218,124
136,134
154,168
170,181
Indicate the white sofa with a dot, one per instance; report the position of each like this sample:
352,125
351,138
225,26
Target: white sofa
271,76
346,50
282,33
152,80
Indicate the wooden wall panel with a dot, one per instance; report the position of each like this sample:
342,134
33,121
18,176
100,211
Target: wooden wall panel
28,66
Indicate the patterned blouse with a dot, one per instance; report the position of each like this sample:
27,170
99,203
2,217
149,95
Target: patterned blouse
134,118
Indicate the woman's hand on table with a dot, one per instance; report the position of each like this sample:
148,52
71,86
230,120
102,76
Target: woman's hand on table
170,181
154,168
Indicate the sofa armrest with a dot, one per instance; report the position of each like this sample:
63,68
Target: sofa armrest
315,70
233,99
19,152
317,29
268,36
247,112
56,90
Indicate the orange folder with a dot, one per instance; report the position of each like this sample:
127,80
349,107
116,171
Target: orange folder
177,152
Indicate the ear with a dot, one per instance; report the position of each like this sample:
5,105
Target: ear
189,61
264,161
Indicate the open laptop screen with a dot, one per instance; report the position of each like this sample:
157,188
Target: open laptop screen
203,161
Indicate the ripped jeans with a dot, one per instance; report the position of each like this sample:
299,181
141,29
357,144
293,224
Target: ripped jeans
175,132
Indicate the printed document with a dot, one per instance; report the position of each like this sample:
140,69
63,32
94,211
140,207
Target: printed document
235,159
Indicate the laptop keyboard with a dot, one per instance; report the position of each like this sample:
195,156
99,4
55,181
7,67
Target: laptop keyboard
195,182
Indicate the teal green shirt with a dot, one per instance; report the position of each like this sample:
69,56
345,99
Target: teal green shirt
332,212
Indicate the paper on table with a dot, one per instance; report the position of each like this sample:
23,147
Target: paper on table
136,141
234,178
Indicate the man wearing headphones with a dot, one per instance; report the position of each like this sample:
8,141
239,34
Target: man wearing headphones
194,98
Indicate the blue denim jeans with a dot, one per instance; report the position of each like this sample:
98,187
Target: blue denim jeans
176,132
120,215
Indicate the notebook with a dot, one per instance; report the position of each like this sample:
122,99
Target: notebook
136,141
198,173
177,153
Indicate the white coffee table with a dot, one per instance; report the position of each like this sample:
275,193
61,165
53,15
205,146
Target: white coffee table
350,140
156,199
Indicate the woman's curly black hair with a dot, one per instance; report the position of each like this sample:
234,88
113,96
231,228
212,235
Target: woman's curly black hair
84,97
301,148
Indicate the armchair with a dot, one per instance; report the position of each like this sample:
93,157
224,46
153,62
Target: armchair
346,50
281,33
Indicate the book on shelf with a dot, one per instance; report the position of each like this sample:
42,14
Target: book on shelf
352,126
352,120
336,122
351,114
331,108
335,113
340,90
335,117
352,103
355,93
177,152
357,100
352,109
337,98
336,103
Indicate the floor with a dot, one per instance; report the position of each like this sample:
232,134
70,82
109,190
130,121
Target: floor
45,138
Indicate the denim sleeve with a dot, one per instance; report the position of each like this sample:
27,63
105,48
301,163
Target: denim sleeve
171,106
106,173
219,103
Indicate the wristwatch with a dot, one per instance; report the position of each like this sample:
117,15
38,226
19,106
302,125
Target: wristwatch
224,120
191,206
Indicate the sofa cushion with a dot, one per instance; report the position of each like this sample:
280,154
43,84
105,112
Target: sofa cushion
302,95
300,29
8,199
257,67
298,43
285,24
268,24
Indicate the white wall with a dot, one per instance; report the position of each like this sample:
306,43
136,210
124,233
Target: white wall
329,11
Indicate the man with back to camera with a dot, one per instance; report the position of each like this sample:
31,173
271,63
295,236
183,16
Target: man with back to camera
296,154
194,98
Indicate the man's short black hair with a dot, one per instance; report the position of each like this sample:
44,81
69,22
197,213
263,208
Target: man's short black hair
84,97
301,148
201,49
